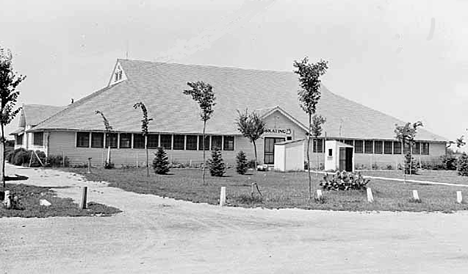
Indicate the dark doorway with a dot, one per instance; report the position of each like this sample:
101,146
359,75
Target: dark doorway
346,158
269,152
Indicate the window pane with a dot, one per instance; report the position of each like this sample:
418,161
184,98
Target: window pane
38,138
358,146
153,141
207,143
228,142
82,139
138,141
396,147
111,140
179,141
317,146
166,141
425,148
378,149
191,142
19,140
97,140
388,147
216,142
125,140
369,147
416,148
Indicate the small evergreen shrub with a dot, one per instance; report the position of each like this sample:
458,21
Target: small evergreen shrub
343,180
410,162
449,162
161,162
463,165
57,161
216,164
241,163
21,156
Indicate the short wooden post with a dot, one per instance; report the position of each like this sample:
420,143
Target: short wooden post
459,197
63,159
84,197
7,199
415,195
370,197
319,194
222,198
89,165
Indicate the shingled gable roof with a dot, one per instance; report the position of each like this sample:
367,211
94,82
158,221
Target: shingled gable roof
160,86
33,114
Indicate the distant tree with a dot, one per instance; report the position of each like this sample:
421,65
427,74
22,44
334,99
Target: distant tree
406,134
216,163
144,130
316,130
252,127
9,81
309,96
161,162
108,128
202,93
241,163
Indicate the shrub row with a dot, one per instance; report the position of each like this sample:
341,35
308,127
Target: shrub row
21,156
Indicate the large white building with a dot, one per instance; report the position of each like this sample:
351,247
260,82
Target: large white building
78,132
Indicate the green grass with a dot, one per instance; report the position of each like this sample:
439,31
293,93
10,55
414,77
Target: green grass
280,190
29,204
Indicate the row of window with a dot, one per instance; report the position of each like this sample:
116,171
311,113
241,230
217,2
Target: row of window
167,141
377,147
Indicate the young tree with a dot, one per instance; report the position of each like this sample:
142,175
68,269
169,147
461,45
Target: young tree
309,95
316,130
216,164
406,134
160,162
241,163
108,127
202,93
144,130
9,81
252,127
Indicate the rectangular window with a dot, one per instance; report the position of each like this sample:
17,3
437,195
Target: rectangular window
216,142
166,141
138,141
38,138
19,140
82,139
317,146
378,149
330,152
191,142
125,140
358,146
97,140
396,147
229,143
388,147
179,141
153,141
425,148
349,142
111,140
207,143
369,147
417,148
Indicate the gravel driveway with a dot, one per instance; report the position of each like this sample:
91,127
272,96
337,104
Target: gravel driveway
157,235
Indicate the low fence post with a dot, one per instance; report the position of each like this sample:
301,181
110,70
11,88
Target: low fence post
416,195
84,198
89,165
370,197
459,197
222,198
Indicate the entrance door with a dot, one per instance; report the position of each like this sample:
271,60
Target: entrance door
269,152
346,159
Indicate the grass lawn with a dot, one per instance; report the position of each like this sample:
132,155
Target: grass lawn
29,204
441,176
280,190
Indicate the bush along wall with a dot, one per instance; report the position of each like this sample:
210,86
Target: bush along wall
463,165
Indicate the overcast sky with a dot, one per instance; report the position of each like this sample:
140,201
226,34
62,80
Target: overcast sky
408,59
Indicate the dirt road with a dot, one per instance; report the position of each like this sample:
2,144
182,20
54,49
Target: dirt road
157,235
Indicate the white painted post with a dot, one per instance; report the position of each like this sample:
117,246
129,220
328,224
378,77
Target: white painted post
415,195
89,165
459,197
319,194
7,199
222,198
84,197
370,197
